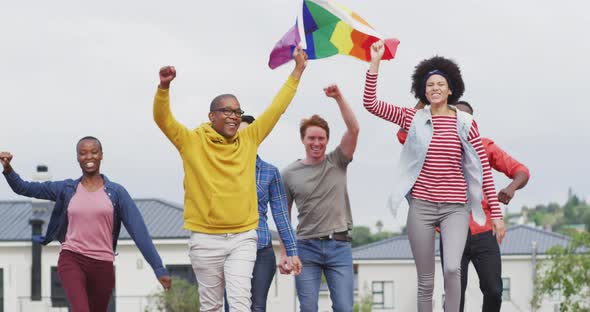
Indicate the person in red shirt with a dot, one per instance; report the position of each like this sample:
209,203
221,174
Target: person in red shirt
481,246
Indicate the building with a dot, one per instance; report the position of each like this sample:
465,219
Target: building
135,280
387,274
384,271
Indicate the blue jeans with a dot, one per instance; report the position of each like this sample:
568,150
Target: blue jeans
334,259
264,271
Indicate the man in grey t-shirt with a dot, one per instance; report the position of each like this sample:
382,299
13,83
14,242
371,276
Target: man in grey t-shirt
317,185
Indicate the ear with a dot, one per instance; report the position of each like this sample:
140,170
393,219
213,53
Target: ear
211,116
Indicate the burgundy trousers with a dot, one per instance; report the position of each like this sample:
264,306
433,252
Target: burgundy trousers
88,282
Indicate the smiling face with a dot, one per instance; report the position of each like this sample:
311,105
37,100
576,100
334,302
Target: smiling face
89,156
315,141
227,126
437,90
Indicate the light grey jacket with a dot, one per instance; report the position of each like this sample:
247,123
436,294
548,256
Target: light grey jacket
414,154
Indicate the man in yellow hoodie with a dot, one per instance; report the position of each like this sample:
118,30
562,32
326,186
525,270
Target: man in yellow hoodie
220,203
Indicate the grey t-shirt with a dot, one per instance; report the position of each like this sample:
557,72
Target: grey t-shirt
321,195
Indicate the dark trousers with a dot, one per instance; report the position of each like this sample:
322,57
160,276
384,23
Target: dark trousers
482,249
88,282
264,271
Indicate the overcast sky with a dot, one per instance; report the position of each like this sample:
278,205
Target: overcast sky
72,68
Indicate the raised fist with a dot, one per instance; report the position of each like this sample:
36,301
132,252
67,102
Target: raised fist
167,74
377,50
5,158
332,91
300,57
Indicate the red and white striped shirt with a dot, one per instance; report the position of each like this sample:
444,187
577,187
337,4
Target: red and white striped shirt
441,179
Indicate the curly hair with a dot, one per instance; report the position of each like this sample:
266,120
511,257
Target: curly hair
447,66
316,121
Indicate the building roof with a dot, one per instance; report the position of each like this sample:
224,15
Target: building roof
518,241
163,219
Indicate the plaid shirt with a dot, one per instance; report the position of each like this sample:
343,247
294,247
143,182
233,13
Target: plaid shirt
270,189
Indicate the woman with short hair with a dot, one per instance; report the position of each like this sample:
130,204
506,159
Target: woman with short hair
86,220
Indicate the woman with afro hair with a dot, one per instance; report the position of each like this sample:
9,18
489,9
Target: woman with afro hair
442,171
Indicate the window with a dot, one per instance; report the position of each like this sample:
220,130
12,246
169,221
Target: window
505,288
383,295
184,271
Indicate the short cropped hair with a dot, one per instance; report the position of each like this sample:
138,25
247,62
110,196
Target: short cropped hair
316,121
89,137
465,103
248,119
218,99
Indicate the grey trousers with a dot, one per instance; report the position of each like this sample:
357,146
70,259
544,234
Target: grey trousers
453,219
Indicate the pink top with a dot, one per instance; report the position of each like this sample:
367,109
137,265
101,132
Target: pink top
90,224
441,179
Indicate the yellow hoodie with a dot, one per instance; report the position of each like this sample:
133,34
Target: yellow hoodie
219,173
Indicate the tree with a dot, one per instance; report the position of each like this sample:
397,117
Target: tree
379,226
181,297
567,269
361,235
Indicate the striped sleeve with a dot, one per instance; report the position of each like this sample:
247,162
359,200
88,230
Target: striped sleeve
398,115
488,182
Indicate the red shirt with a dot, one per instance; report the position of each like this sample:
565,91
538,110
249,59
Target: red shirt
500,161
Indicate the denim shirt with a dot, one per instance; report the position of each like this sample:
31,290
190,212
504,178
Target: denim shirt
124,209
413,156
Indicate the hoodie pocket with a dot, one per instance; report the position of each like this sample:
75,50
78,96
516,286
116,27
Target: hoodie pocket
229,210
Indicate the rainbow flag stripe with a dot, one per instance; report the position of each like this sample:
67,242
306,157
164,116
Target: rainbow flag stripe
329,28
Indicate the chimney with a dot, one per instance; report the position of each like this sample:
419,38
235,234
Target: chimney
40,208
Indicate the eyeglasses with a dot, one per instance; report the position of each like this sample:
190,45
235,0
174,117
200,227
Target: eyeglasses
227,112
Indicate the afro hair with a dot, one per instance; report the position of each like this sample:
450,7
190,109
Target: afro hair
450,68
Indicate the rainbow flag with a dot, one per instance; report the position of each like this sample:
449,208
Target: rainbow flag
325,28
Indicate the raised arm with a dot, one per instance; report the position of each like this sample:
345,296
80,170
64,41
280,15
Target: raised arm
41,190
176,132
400,116
138,231
260,128
350,137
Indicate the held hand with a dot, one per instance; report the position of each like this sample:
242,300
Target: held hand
505,195
297,266
285,266
499,229
333,91
167,74
165,281
377,50
300,58
5,158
